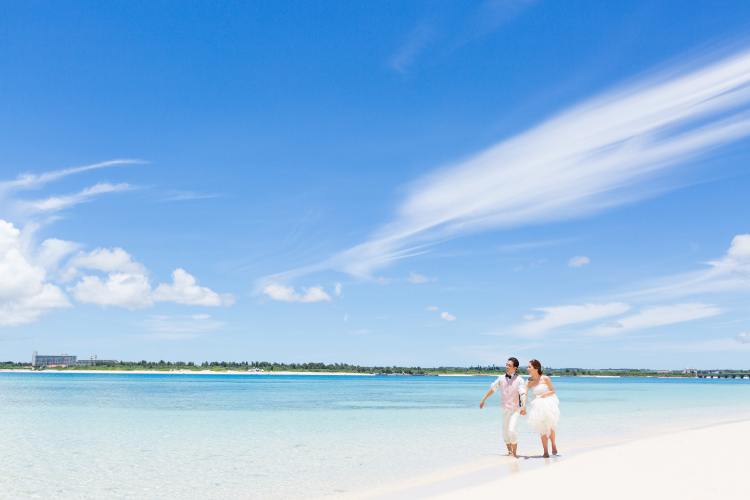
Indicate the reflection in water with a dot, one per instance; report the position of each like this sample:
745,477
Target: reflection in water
513,467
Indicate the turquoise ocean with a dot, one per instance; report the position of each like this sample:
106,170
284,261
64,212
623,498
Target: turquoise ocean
139,436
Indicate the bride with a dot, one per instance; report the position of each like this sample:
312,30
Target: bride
544,411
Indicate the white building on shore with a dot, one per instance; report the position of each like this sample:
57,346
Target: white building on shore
66,360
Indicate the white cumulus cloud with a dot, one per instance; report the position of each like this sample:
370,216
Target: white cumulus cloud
106,260
418,278
52,251
743,338
578,261
278,291
447,316
127,283
24,295
184,290
739,251
132,291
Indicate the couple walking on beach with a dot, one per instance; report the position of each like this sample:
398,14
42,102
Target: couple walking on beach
543,412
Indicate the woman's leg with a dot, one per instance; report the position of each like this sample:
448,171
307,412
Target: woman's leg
544,443
552,438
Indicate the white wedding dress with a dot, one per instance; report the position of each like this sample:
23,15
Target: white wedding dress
543,413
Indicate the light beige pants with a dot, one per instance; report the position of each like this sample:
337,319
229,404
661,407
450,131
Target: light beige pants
510,421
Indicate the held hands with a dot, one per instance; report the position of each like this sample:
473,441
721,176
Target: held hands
523,411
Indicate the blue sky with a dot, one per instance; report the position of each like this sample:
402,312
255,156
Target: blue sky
438,183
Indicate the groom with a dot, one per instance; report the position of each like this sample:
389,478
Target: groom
511,388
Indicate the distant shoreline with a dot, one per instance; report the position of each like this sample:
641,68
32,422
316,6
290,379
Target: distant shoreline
347,369
183,372
234,372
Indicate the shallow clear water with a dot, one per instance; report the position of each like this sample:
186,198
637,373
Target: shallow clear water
205,436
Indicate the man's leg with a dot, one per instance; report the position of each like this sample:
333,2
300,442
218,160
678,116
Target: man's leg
506,425
512,424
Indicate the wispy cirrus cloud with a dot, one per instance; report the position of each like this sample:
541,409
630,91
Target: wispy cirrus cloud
728,274
446,31
180,327
361,332
711,345
559,316
188,195
596,155
580,317
34,214
56,203
418,40
25,294
651,317
33,181
518,247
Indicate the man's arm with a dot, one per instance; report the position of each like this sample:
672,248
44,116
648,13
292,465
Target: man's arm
489,393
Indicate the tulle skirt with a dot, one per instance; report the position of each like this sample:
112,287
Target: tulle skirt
543,414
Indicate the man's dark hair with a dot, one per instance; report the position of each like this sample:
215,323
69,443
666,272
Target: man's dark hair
515,361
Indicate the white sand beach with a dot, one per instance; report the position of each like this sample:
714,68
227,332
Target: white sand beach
703,463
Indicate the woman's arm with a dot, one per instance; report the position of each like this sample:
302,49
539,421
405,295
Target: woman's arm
489,393
551,387
523,401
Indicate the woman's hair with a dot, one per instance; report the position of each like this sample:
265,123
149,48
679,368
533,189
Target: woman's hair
537,366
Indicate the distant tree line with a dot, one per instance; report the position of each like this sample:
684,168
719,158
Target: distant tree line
346,368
